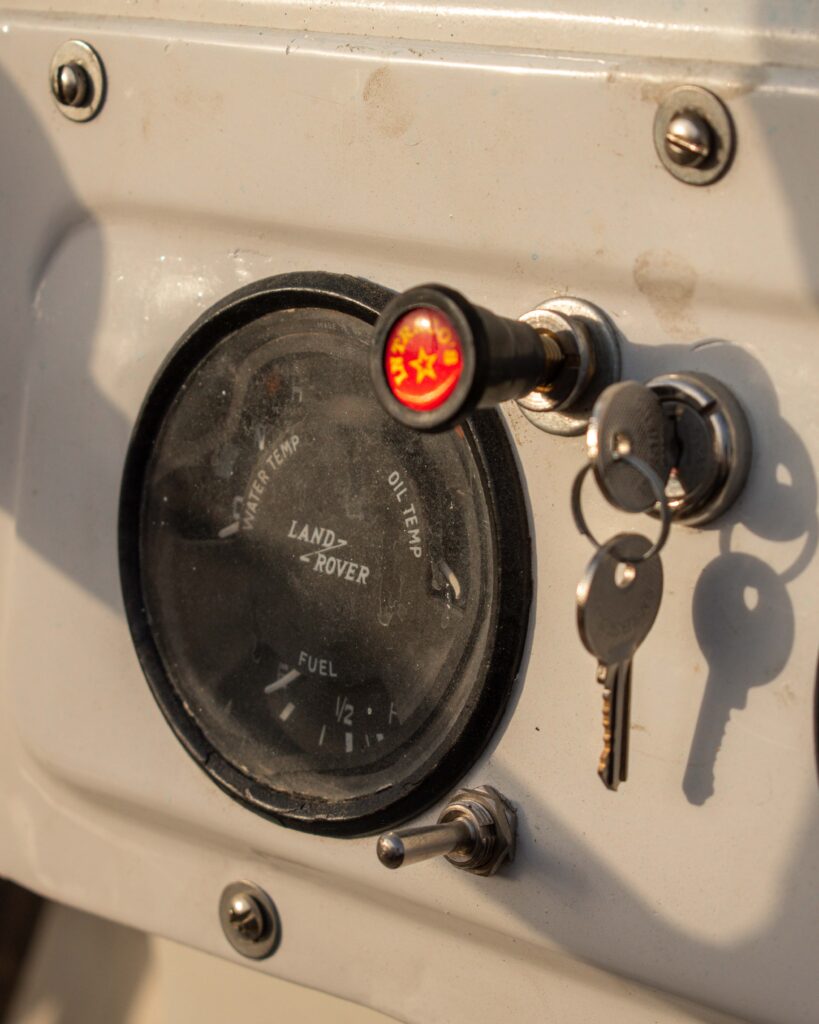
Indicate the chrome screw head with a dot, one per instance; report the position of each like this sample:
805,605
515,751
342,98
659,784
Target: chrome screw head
249,920
71,84
688,140
694,135
245,916
77,79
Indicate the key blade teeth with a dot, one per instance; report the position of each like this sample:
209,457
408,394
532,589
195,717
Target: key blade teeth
605,764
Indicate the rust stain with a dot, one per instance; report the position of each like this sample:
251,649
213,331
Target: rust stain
742,82
388,111
669,283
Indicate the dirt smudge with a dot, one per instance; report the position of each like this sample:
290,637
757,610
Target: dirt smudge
388,111
669,284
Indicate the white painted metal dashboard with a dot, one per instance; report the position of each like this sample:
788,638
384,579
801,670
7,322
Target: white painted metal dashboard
507,151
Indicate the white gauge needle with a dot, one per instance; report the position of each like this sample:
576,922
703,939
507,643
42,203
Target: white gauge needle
452,580
281,683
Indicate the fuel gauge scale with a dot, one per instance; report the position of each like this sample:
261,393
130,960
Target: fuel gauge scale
329,607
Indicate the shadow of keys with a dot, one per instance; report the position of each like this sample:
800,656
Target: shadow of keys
744,623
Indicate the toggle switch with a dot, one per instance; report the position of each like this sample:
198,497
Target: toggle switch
475,832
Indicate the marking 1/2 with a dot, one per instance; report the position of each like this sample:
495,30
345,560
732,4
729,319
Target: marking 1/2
344,711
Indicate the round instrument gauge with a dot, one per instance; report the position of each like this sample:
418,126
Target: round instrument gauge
330,608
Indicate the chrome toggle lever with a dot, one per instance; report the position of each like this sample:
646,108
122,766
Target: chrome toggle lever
475,832
412,845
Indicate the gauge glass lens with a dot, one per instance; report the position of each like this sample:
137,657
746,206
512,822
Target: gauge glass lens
319,580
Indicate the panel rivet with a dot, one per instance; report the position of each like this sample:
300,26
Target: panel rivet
249,920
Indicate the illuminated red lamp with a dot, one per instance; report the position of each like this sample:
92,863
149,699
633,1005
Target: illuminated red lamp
423,359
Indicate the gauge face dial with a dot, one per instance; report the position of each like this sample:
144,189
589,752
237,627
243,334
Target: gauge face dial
329,607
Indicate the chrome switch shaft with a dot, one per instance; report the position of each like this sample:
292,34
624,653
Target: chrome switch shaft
475,832
411,845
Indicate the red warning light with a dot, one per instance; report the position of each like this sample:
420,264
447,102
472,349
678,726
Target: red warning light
423,359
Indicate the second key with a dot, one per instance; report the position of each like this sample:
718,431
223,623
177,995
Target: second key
617,602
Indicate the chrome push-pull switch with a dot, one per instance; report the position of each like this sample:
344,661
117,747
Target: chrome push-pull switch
475,832
437,357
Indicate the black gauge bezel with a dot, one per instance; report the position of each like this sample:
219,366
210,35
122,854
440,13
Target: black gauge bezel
494,457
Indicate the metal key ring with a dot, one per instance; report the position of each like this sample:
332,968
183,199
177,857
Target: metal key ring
659,493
